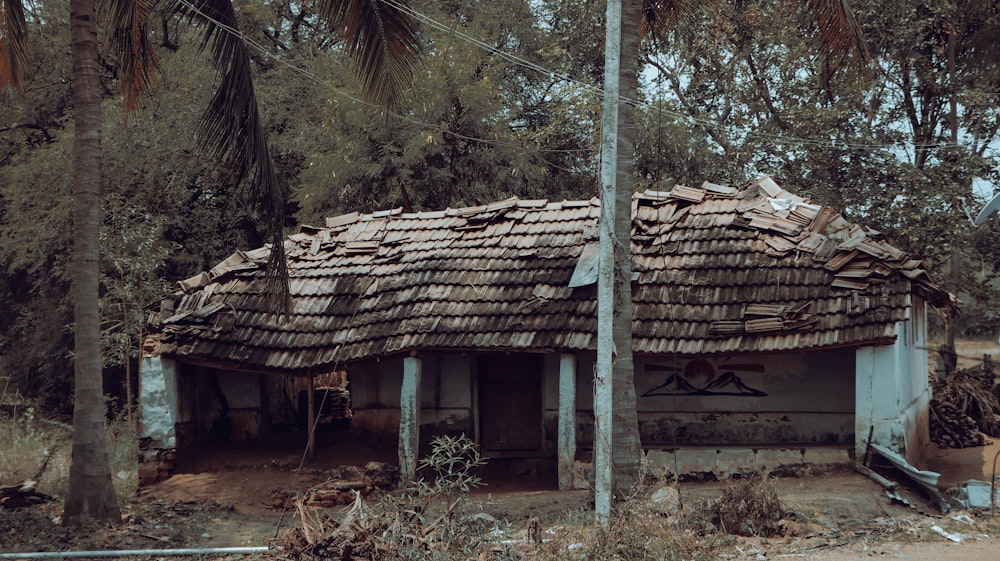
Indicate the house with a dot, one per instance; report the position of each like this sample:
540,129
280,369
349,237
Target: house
767,330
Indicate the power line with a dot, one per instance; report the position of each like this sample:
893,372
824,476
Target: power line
639,103
326,83
583,86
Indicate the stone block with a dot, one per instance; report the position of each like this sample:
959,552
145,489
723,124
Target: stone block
696,460
769,460
660,462
733,461
148,474
826,456
665,500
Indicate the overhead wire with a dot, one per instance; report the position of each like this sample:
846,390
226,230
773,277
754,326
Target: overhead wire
339,91
583,87
649,106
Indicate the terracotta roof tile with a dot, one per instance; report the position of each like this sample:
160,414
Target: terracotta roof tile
497,277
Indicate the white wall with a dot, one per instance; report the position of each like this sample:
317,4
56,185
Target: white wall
446,393
158,402
893,391
808,398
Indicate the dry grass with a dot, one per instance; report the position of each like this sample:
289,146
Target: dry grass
749,507
647,526
32,447
636,533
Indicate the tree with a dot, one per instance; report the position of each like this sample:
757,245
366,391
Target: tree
880,150
839,35
91,494
381,41
485,128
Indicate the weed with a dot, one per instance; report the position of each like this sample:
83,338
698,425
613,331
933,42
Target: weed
123,452
639,531
33,447
749,507
426,522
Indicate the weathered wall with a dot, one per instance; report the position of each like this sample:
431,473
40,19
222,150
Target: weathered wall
814,398
786,399
158,418
893,393
200,417
800,398
446,396
158,399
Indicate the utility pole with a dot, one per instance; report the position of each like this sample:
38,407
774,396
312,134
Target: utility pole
603,376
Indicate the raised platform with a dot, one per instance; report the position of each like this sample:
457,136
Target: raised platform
725,462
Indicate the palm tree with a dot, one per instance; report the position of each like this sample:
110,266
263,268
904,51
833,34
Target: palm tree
839,36
381,39
91,492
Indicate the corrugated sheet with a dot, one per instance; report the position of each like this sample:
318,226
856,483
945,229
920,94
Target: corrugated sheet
497,277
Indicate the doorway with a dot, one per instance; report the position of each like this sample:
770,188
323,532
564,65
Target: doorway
510,404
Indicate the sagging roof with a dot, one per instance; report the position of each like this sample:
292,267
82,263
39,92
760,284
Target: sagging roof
719,269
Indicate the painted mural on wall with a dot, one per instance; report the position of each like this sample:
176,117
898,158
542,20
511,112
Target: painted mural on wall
700,377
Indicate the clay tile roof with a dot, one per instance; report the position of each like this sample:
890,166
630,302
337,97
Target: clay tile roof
720,269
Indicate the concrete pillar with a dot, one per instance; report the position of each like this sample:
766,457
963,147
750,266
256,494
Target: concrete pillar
158,416
567,420
311,419
864,406
602,440
158,401
877,400
409,419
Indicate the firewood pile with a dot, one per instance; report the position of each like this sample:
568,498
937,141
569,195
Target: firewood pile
345,484
951,428
336,403
965,408
21,495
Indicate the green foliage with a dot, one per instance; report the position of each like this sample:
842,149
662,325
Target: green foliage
168,214
431,511
35,337
481,128
734,94
134,251
433,508
750,97
452,460
425,523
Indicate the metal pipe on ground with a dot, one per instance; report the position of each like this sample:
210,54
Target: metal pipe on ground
132,552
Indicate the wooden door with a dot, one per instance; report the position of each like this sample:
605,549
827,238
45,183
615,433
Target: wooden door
510,404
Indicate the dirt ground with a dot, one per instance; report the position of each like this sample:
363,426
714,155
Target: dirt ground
228,498
845,516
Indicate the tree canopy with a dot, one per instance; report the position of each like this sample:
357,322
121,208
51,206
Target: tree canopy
503,104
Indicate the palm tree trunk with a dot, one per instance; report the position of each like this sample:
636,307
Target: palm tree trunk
91,495
625,426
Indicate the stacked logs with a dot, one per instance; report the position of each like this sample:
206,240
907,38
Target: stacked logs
951,428
21,495
345,484
336,493
965,408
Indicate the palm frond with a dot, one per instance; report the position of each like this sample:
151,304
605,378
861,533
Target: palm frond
661,16
14,59
127,44
381,40
840,35
231,131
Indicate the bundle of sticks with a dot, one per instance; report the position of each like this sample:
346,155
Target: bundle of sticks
965,408
21,495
